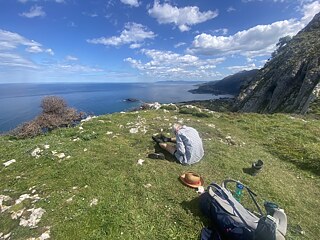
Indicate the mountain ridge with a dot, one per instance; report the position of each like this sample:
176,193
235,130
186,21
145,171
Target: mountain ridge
289,82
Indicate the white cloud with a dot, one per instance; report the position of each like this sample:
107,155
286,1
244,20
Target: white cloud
10,41
183,18
15,60
259,40
132,34
309,10
135,45
71,58
35,11
231,9
133,3
179,44
235,69
174,66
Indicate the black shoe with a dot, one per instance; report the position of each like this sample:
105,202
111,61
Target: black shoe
156,155
165,139
157,139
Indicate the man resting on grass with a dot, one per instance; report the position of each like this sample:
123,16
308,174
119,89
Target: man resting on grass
188,148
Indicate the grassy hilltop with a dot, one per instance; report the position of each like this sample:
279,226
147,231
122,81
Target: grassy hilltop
85,183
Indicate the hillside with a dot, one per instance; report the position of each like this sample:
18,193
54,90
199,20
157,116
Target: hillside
288,81
86,183
229,85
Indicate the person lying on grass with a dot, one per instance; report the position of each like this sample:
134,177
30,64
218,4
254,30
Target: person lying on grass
188,148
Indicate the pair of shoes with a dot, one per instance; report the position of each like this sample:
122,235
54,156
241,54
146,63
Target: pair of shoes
157,139
165,139
156,155
161,138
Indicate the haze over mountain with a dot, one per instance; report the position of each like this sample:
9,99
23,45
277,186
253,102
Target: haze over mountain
228,85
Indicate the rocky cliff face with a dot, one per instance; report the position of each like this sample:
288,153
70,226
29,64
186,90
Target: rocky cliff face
290,80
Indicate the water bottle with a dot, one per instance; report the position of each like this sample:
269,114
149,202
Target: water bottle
238,191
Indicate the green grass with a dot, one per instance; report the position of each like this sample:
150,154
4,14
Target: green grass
103,166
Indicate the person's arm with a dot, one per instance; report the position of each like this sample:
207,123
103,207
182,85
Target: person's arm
180,146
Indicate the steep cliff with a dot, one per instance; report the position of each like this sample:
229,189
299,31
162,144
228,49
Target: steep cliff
289,81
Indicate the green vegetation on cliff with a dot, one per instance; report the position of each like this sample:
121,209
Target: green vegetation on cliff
86,183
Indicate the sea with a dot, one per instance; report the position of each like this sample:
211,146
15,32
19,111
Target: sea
20,103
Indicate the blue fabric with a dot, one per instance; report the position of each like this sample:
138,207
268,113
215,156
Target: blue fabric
209,234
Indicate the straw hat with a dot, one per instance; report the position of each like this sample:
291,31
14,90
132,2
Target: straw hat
192,179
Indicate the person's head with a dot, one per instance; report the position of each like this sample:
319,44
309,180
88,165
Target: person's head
176,127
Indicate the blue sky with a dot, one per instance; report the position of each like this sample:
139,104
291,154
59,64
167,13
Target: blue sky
142,41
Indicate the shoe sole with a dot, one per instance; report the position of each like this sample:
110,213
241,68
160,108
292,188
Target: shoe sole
156,156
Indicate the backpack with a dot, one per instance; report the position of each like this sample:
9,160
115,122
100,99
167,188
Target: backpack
230,219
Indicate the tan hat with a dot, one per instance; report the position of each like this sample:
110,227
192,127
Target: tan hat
192,179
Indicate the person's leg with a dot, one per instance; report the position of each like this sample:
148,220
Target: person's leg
169,148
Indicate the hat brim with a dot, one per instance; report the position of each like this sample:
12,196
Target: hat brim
183,180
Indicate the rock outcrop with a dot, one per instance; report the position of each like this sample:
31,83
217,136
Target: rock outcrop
290,80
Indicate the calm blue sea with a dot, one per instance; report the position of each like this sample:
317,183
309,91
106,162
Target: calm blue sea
21,102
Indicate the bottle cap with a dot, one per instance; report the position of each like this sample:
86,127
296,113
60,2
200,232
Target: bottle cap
239,185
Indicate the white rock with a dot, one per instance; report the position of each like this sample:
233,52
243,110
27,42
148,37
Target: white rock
6,164
34,219
93,202
18,214
60,155
134,130
140,161
46,146
109,133
7,236
35,153
85,150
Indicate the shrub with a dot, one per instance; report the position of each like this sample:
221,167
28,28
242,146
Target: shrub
27,130
55,113
53,105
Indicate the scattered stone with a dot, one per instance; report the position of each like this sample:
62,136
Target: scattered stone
76,139
60,155
18,214
67,157
7,236
35,153
134,130
85,150
46,146
89,118
2,199
70,199
44,236
93,202
109,133
148,185
27,196
6,164
212,125
80,128
140,161
34,219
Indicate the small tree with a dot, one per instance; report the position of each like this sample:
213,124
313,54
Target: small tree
55,113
